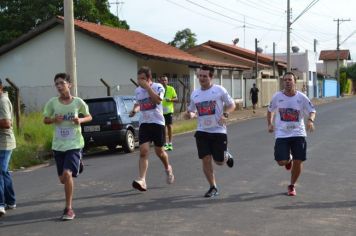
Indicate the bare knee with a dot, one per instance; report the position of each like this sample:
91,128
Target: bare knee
66,176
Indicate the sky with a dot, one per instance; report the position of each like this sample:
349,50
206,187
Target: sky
225,20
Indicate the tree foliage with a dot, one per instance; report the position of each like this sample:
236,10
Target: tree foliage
19,16
184,39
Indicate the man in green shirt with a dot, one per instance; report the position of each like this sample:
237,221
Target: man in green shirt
63,111
170,97
7,144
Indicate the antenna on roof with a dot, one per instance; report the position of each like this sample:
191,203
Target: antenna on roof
117,3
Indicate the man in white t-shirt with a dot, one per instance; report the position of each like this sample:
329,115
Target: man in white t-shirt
149,97
207,103
289,107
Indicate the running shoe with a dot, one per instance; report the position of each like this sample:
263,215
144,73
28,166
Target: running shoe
68,214
228,159
169,147
10,207
291,190
212,192
165,146
139,184
170,176
2,211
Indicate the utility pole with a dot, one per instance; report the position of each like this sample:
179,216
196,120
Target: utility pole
274,60
338,54
70,55
288,36
256,58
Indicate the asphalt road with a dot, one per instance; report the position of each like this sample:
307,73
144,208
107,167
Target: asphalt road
252,200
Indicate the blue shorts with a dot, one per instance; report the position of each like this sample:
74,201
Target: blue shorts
68,160
297,146
214,144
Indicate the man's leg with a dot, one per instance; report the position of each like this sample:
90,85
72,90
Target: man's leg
67,179
296,171
163,156
9,193
169,128
209,170
143,162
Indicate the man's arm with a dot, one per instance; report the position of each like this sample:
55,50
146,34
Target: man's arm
270,116
135,109
310,122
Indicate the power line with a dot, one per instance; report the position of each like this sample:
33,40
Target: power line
231,18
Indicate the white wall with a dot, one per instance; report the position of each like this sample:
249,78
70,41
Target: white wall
35,63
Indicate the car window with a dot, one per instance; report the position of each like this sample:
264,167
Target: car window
129,103
97,108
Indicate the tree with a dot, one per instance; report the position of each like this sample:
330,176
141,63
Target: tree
184,39
19,16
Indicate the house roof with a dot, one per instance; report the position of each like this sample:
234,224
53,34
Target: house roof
133,41
326,55
241,54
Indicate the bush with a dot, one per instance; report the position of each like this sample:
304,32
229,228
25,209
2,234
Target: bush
33,142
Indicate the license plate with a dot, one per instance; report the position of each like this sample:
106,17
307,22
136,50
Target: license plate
92,128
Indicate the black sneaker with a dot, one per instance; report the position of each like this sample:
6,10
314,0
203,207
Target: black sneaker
212,192
229,159
81,166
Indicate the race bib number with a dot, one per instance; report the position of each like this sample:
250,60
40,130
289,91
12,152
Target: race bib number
209,122
289,127
64,133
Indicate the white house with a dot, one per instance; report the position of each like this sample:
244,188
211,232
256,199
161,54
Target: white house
113,54
303,64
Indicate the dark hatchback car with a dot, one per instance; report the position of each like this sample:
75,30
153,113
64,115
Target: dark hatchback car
111,124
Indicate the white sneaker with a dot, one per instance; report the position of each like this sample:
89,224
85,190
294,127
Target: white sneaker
139,184
10,207
170,176
2,211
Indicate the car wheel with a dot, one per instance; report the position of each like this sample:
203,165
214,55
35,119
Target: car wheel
111,147
129,142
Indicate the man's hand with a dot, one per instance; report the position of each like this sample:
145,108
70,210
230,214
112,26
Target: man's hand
132,113
270,128
310,126
189,115
143,83
76,120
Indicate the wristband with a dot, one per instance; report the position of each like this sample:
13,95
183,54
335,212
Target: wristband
311,120
226,115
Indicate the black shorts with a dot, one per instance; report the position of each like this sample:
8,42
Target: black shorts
168,118
214,144
254,100
151,132
297,146
68,160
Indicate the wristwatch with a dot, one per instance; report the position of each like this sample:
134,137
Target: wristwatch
226,114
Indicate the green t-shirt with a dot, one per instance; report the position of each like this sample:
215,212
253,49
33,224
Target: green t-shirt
168,107
67,135
7,137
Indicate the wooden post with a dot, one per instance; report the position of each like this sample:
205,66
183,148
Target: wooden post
108,92
17,104
184,99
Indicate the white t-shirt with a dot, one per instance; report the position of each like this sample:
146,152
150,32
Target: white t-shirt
210,106
150,111
289,114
